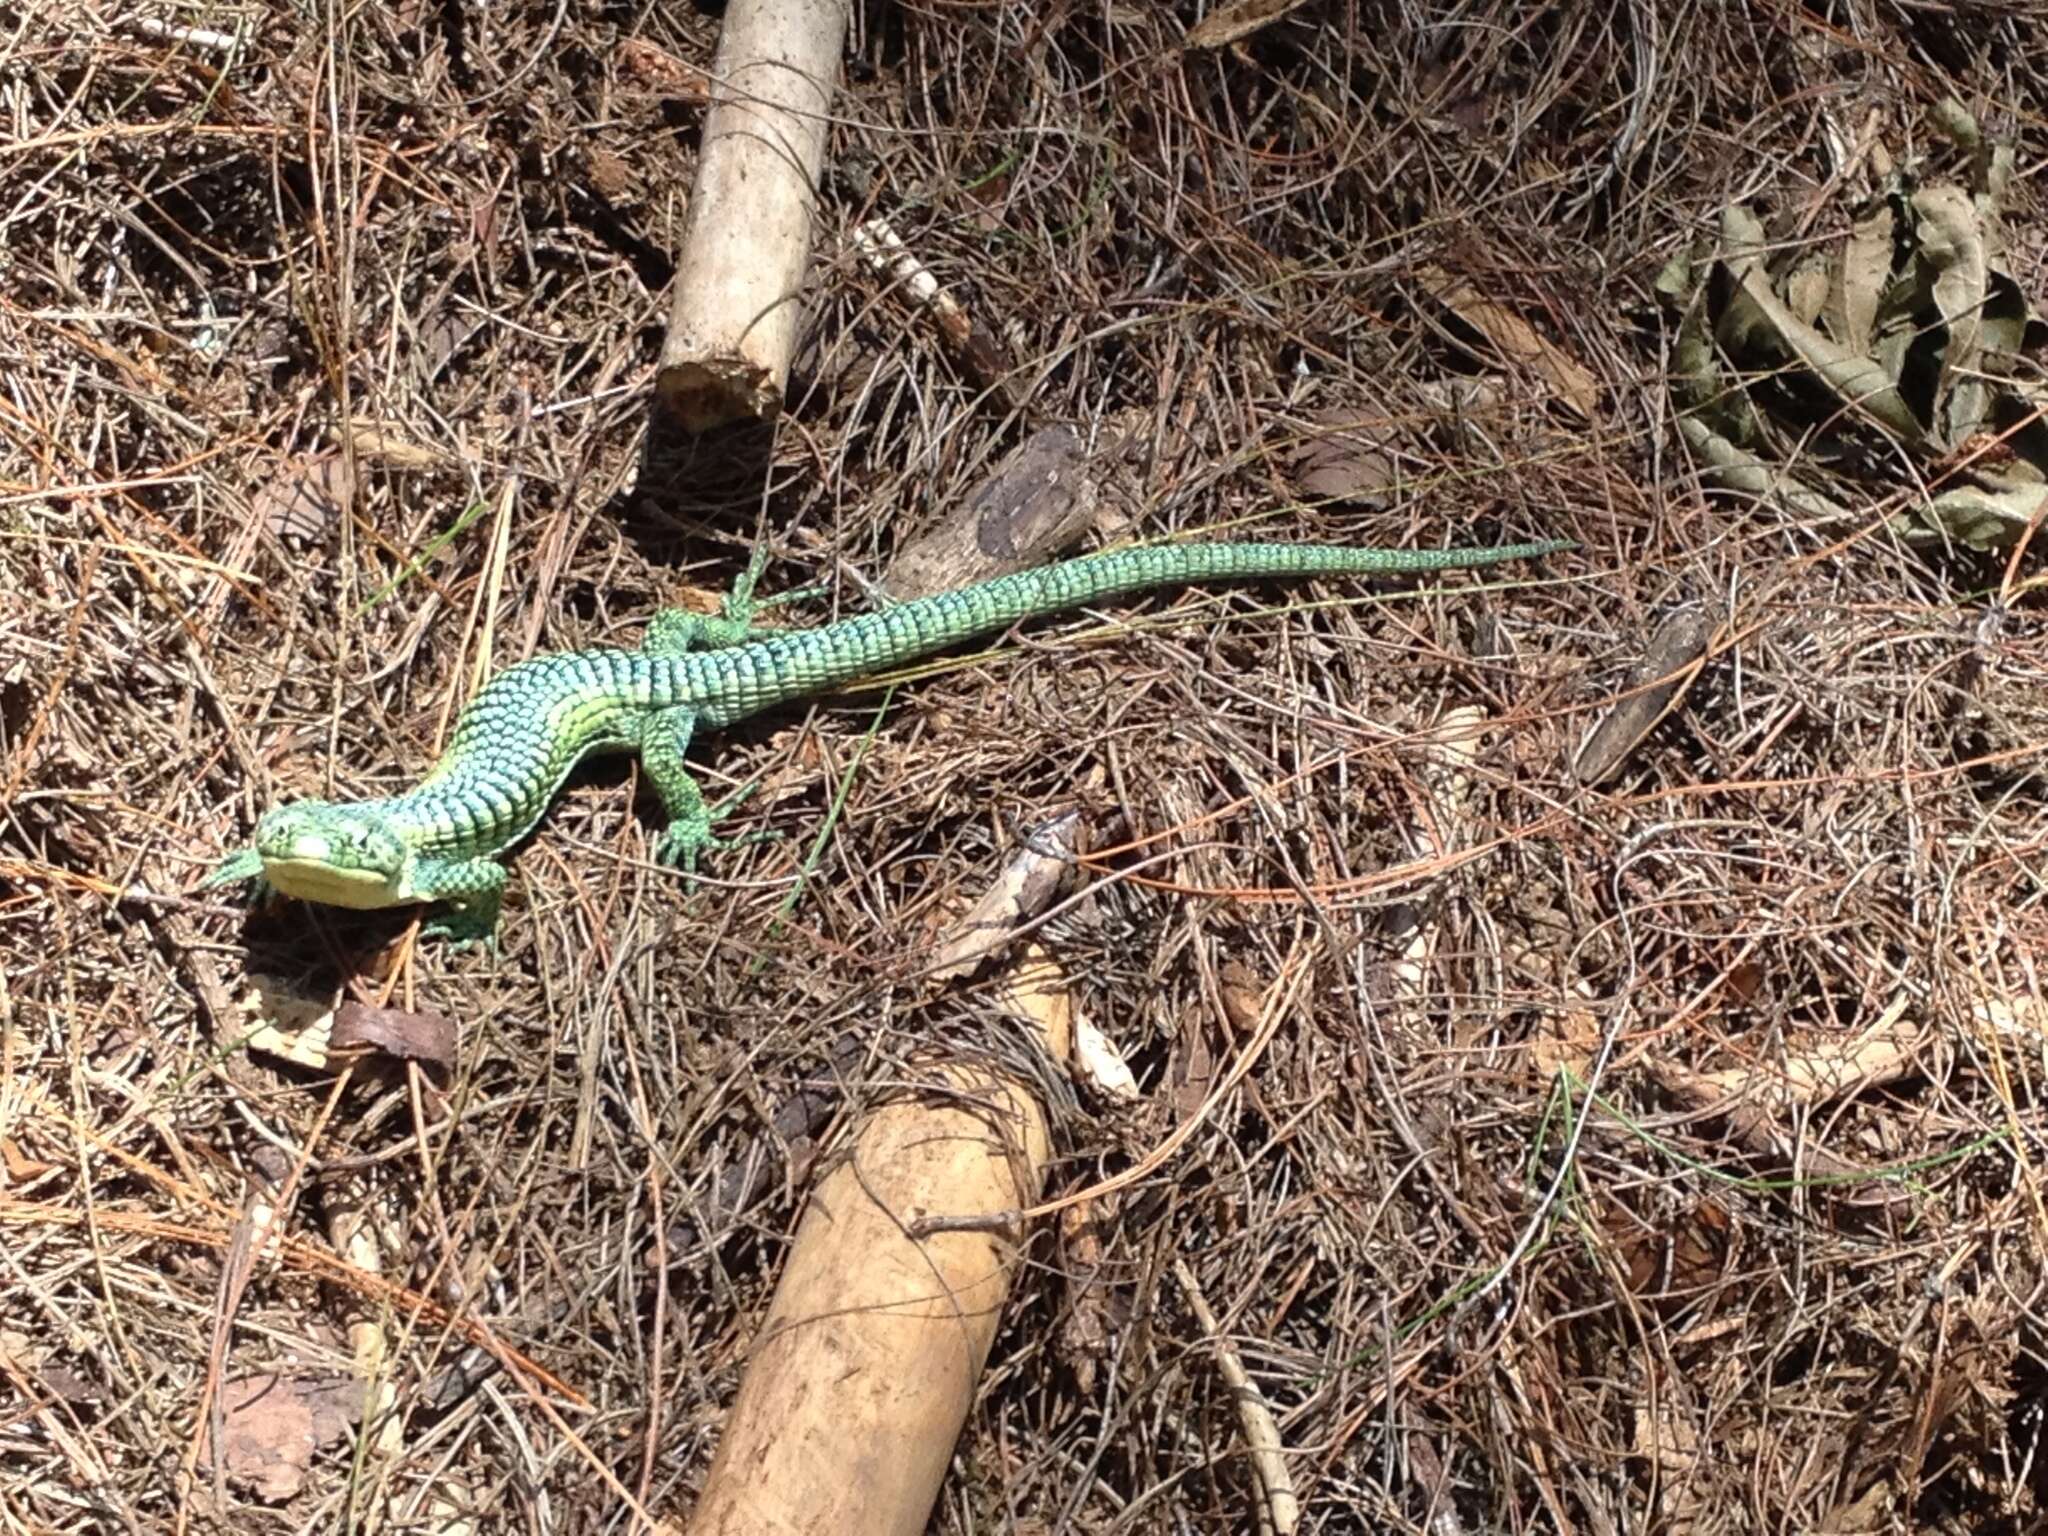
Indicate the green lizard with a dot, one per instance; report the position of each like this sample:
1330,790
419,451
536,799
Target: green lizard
519,738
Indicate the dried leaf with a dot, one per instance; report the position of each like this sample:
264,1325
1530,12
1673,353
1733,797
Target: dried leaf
360,1029
1742,471
1951,240
1674,284
1236,19
1817,1071
611,176
1709,405
438,339
1338,458
1985,517
1806,287
272,1425
2004,331
1655,687
1756,325
1862,271
306,497
1192,1070
1516,340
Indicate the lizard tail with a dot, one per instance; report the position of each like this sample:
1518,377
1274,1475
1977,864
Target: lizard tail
744,679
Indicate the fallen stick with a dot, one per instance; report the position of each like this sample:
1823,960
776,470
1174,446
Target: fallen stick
733,324
985,359
1279,1508
868,1362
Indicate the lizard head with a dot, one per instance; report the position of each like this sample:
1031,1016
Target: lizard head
343,855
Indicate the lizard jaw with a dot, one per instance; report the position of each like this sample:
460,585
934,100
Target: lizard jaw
314,879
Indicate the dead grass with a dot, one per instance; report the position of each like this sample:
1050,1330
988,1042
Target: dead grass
1583,1219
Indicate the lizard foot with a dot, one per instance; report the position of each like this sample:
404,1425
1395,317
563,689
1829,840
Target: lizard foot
681,843
458,930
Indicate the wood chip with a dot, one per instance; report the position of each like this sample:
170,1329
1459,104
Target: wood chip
1024,889
377,442
1036,503
1656,686
661,73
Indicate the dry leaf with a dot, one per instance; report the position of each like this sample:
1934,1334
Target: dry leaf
375,442
1656,686
1995,515
1100,1065
1192,1070
1863,267
1515,339
611,177
1806,288
272,1425
1236,19
1338,458
1952,240
307,497
360,1029
438,339
18,1166
1756,323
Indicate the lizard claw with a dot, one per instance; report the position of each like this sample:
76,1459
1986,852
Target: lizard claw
678,847
242,864
457,930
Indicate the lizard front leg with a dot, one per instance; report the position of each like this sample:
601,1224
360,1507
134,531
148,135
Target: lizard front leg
473,888
243,866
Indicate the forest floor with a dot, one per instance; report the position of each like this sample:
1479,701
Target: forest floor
1650,1138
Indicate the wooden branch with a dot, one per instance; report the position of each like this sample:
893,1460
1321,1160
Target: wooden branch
1657,687
733,326
983,356
1035,504
868,1362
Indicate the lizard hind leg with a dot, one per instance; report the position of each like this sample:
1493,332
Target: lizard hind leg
677,631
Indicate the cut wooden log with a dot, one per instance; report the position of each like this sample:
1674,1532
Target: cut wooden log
733,322
1037,502
868,1361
